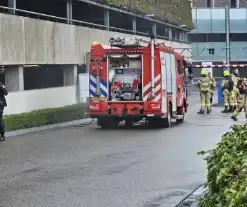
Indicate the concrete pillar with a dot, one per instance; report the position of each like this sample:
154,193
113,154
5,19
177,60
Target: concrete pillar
154,30
14,78
107,18
134,25
237,3
213,3
70,75
69,12
170,33
12,4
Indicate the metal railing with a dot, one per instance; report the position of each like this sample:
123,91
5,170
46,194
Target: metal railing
46,17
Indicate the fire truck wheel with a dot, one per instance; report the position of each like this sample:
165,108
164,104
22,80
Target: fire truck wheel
128,123
168,120
178,121
107,123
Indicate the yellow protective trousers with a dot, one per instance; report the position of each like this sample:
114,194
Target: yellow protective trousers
205,100
229,99
242,103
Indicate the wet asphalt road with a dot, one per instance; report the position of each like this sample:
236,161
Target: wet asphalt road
77,167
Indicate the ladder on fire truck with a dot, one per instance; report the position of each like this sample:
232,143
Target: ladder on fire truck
128,42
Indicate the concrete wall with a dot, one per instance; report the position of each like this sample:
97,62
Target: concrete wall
31,41
25,101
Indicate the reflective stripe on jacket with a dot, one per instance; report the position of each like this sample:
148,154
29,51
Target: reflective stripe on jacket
204,84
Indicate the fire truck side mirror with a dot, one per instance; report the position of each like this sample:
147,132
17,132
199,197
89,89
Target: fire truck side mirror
190,70
189,66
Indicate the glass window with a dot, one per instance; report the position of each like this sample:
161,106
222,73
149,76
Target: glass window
218,20
200,51
238,51
238,20
198,37
238,37
216,37
207,37
204,24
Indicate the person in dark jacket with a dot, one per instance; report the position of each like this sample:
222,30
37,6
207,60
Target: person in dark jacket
3,104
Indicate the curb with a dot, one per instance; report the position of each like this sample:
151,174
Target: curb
48,127
193,198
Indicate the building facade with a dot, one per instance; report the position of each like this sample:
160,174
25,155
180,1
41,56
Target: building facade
220,35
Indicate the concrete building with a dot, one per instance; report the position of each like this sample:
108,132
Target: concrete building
42,54
220,34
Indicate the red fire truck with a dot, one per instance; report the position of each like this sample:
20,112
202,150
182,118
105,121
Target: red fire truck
133,79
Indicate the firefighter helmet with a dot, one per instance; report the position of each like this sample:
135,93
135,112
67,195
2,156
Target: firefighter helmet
203,72
226,73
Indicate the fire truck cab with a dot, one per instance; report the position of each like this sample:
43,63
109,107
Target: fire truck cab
132,79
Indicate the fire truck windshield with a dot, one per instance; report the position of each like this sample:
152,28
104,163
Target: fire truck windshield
125,78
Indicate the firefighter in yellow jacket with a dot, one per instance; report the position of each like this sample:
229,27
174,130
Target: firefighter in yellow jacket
242,98
204,87
235,78
212,87
227,86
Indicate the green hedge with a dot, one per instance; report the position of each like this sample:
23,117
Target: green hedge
227,171
44,117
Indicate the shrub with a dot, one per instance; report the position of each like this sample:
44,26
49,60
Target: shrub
173,11
44,117
227,171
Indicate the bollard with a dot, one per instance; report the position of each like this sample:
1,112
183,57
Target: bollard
220,97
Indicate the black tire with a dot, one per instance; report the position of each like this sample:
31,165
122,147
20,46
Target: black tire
107,123
178,121
129,123
168,120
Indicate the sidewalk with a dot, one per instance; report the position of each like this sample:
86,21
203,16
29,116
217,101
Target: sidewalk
48,127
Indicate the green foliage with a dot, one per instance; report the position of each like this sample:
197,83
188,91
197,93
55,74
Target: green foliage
227,171
176,12
44,117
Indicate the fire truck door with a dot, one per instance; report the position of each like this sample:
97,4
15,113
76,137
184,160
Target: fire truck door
174,82
163,84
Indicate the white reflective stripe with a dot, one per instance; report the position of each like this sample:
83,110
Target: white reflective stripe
157,78
157,98
241,65
145,98
146,87
103,88
158,87
92,78
92,88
